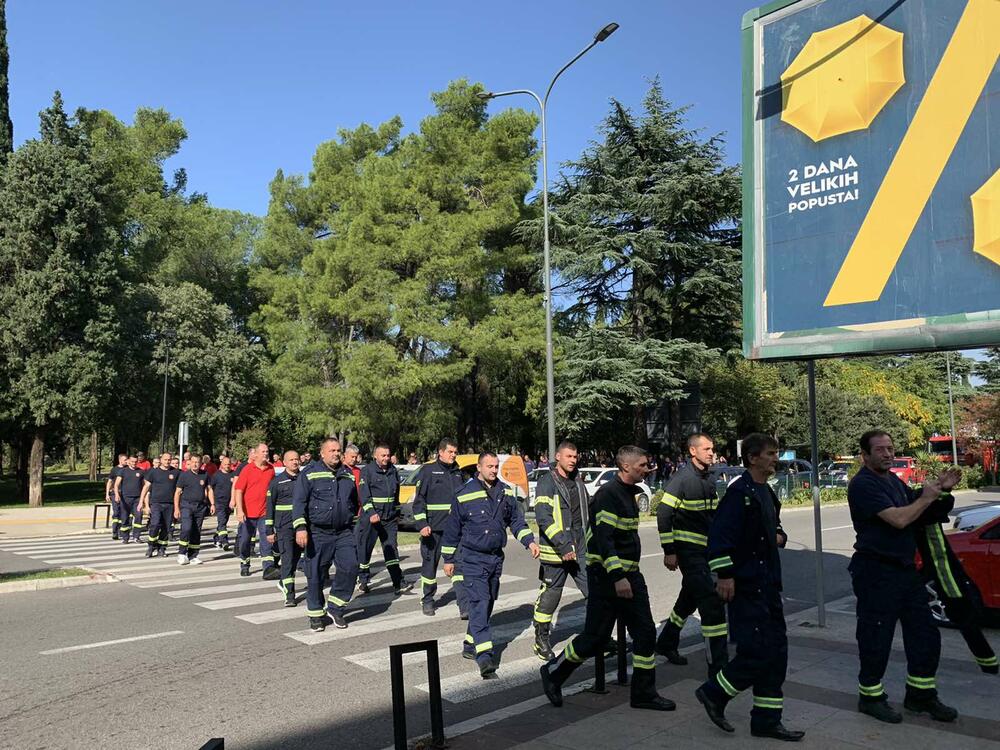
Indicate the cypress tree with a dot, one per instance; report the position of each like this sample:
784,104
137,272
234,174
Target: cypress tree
6,126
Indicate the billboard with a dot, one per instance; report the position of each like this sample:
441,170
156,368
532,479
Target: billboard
871,190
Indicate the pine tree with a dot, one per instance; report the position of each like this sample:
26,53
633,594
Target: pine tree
647,242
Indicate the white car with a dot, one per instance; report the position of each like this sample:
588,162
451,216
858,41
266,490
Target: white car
593,477
967,519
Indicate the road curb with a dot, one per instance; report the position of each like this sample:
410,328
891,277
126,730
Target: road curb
43,584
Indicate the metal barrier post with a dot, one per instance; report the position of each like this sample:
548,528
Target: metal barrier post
107,515
622,662
599,685
398,695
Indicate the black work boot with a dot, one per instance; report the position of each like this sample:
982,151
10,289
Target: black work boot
553,690
930,705
543,648
316,624
778,732
674,657
716,711
881,710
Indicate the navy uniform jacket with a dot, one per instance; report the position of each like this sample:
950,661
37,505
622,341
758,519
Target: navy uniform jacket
613,543
324,498
279,501
743,538
685,513
480,517
379,490
437,484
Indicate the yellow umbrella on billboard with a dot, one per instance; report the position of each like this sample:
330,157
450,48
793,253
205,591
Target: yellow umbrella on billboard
842,78
986,219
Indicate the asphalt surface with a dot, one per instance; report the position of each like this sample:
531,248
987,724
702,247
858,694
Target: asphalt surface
220,656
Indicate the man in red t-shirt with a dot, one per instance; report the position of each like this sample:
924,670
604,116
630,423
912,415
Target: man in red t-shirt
208,467
143,463
352,455
250,498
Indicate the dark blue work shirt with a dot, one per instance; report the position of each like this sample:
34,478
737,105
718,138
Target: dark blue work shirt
194,489
868,494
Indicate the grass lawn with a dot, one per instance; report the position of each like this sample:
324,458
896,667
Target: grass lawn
60,489
31,575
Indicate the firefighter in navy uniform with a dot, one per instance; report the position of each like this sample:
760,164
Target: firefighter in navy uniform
220,492
118,516
190,507
743,544
963,604
683,519
482,511
616,588
128,490
437,483
324,504
158,502
562,510
280,532
378,489
886,515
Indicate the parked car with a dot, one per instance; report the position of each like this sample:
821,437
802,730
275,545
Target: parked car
905,467
533,476
979,552
967,519
594,476
511,472
834,473
723,475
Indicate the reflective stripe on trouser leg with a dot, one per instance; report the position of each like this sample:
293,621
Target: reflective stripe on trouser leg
553,578
430,556
160,515
290,555
387,532
482,586
364,533
190,536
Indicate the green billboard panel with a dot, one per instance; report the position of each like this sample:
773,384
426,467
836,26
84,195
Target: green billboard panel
871,176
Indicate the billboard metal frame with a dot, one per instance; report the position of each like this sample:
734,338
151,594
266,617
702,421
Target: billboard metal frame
959,331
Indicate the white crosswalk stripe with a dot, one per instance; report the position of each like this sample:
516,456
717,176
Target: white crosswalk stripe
215,590
359,627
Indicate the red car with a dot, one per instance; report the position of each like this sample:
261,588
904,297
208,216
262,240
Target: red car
906,469
979,552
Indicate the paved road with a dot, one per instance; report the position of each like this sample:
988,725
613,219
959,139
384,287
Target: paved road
216,655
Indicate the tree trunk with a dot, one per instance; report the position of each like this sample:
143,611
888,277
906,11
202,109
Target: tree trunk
36,469
71,456
23,452
95,458
639,435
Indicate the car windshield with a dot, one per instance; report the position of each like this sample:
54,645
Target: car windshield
591,475
897,464
411,478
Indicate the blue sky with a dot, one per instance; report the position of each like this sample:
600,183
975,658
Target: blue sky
259,83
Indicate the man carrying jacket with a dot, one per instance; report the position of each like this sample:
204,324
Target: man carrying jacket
280,532
324,504
379,495
437,483
481,513
683,519
561,511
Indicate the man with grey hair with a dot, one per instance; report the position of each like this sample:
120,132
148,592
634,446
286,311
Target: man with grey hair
352,457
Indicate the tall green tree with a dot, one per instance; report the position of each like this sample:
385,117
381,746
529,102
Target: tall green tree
58,273
6,126
397,306
989,370
647,243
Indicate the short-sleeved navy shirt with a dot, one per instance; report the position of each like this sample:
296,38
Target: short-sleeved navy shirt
193,487
221,483
868,494
163,482
131,484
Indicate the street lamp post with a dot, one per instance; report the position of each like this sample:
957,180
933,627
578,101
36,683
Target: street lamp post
169,336
550,398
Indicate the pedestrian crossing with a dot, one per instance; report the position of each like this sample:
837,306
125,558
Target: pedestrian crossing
378,617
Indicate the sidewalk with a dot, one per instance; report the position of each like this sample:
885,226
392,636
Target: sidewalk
820,698
60,519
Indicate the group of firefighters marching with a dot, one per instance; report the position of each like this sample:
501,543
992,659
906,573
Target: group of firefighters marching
323,515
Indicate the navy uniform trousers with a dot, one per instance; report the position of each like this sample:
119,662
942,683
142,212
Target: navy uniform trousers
430,559
161,517
290,553
132,518
697,592
481,573
119,517
327,547
192,517
221,535
757,626
604,607
888,593
251,530
386,533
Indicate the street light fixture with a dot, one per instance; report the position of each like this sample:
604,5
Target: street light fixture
550,400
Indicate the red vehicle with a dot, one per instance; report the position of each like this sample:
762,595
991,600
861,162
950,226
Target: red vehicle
940,446
979,552
906,469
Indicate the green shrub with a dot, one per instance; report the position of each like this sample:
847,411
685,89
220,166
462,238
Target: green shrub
654,501
802,496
